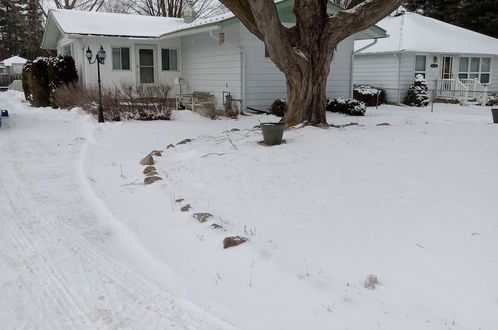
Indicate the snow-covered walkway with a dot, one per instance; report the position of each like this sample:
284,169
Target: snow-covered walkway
61,261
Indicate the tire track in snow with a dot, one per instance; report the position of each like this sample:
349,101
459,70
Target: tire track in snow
71,276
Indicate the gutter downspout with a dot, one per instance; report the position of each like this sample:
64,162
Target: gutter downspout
352,62
243,64
399,75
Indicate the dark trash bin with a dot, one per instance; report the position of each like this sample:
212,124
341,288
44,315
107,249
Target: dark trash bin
495,115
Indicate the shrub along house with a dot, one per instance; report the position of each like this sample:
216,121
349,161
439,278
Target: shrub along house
212,55
462,64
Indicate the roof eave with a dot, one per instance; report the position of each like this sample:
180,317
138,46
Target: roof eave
43,42
50,18
190,31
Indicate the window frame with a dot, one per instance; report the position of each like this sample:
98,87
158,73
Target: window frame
417,72
121,58
69,46
177,57
479,73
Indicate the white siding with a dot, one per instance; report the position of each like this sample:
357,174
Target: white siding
407,73
493,86
111,77
378,70
265,82
339,82
211,67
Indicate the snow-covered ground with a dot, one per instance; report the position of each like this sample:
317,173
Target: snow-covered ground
83,243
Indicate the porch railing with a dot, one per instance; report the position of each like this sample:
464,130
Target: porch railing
453,88
463,90
477,90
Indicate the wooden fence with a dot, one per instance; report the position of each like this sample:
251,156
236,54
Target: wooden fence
7,78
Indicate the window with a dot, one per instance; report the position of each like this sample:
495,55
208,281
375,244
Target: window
475,68
169,59
485,70
420,65
267,52
66,50
121,58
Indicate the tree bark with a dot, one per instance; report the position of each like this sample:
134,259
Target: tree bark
306,100
307,88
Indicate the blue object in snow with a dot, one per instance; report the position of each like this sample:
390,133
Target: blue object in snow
5,113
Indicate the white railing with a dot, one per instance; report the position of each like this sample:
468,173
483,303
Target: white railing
453,89
477,90
463,90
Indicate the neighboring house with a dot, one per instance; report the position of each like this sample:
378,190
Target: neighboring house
462,64
12,65
210,55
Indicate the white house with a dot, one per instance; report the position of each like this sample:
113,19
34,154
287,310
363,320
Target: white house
210,55
462,64
12,65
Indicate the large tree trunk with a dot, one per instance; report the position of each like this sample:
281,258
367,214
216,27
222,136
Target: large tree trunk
306,93
307,86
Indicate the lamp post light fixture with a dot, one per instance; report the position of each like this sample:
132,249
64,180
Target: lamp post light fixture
100,59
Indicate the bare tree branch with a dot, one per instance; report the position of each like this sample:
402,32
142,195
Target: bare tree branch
360,17
242,10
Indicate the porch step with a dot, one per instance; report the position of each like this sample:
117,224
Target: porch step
446,100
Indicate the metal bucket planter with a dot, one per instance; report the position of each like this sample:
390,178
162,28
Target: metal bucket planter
272,133
495,115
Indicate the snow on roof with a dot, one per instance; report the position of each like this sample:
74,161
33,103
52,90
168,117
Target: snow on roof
127,25
13,60
111,24
418,33
201,22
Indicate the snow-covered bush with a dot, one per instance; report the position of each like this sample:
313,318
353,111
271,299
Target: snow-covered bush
43,75
492,100
278,107
346,106
122,102
61,71
418,94
36,83
369,95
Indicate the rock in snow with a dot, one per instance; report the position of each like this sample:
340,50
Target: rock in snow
202,217
148,160
186,208
151,179
371,282
156,153
149,169
233,241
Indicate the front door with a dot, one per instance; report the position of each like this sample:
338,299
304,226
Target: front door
146,65
447,71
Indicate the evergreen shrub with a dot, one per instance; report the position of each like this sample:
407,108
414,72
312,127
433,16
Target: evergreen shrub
418,94
42,76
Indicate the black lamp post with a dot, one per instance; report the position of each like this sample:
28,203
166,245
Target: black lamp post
100,59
